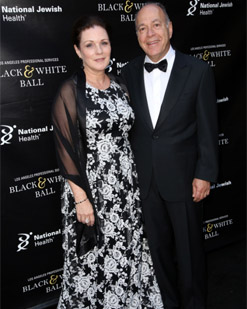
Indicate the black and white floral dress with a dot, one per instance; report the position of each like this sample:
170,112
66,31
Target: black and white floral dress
120,273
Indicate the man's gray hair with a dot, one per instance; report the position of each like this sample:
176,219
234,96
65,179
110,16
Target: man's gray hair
160,5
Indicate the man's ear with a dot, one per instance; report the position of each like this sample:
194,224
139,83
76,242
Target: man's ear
170,29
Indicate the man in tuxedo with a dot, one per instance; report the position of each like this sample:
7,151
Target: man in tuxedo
174,140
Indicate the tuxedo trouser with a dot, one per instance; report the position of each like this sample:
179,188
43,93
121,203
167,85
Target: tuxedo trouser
174,232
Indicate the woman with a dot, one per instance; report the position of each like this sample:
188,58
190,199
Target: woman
107,261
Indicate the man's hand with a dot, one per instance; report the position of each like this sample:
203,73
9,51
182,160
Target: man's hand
201,189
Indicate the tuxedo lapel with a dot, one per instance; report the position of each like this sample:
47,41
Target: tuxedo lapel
175,86
142,104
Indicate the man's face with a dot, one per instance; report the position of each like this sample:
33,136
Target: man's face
153,33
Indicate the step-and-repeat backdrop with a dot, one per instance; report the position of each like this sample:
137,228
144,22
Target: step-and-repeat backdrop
36,56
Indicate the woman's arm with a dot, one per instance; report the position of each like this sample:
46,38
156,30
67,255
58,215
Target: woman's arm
64,118
84,208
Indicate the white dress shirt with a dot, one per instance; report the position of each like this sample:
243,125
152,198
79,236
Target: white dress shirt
156,84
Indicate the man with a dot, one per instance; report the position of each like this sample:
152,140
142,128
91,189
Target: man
174,139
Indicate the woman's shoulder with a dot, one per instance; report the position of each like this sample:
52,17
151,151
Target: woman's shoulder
119,81
68,86
66,95
70,82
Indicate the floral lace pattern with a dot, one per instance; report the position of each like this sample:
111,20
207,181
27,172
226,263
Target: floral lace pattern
119,274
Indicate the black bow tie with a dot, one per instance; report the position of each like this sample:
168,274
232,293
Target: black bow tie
162,65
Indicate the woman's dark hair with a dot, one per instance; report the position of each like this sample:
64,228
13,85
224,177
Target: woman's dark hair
86,22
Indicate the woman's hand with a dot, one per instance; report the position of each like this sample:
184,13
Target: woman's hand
84,209
85,213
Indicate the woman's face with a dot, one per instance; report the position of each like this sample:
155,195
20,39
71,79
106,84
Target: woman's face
94,49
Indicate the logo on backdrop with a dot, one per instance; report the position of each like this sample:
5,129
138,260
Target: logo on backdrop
126,8
6,134
193,7
211,53
222,100
221,185
41,184
20,14
23,135
50,281
23,241
30,72
223,140
27,240
116,66
206,8
212,227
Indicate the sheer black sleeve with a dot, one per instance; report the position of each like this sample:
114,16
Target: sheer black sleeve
69,122
65,123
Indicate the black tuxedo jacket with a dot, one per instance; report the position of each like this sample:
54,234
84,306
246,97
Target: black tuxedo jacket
184,143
